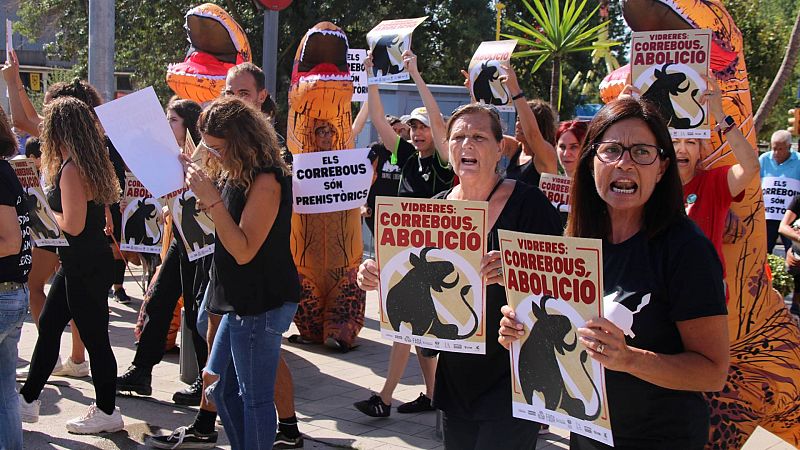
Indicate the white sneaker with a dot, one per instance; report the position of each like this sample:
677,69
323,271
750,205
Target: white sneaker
70,369
29,412
96,421
24,371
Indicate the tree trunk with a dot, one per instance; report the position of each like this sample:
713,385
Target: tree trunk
783,75
555,83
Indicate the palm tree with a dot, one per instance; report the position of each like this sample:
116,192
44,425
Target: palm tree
558,32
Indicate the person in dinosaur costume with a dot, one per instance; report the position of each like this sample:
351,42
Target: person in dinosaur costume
763,387
327,247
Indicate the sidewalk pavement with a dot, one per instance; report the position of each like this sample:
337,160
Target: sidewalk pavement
326,385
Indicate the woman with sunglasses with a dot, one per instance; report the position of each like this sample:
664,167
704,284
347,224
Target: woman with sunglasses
657,264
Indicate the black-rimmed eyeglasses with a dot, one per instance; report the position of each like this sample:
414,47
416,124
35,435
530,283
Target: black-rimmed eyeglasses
642,154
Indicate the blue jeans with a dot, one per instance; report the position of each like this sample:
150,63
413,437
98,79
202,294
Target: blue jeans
13,307
245,356
202,315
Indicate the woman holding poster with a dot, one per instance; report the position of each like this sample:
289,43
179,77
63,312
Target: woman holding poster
254,282
661,277
474,391
80,181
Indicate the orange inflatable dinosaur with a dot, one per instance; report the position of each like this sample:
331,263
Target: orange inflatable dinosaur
327,247
763,386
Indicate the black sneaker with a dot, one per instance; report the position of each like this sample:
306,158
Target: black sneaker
121,296
374,407
184,437
421,404
284,442
190,395
135,379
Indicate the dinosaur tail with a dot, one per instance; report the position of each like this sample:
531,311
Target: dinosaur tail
464,292
584,358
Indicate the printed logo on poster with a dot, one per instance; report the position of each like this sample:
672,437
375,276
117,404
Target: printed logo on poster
42,223
142,229
331,181
556,189
778,192
387,42
195,227
431,291
555,285
486,70
358,71
668,68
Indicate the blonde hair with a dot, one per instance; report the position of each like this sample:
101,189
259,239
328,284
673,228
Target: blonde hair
69,125
250,141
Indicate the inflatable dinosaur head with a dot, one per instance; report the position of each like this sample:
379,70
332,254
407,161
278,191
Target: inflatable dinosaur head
217,44
321,88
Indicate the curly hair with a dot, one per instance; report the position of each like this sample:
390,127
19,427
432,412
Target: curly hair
189,111
250,141
69,126
8,141
77,88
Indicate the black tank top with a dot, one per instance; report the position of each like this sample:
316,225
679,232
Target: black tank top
92,240
270,278
526,173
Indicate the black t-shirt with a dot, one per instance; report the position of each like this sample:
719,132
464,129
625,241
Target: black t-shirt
15,267
478,387
523,172
387,182
424,177
672,277
270,278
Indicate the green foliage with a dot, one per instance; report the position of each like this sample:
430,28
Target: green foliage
781,280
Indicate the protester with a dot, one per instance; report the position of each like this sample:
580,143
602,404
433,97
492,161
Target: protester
651,253
780,162
569,139
789,228
399,126
80,181
474,391
253,279
15,263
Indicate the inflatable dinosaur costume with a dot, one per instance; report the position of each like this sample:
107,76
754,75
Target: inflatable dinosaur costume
763,386
327,247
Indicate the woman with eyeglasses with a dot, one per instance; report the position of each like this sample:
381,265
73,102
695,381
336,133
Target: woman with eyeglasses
657,264
474,391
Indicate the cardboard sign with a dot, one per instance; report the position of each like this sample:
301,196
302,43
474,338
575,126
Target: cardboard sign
9,38
485,71
429,253
667,67
387,42
139,130
43,226
330,181
555,285
556,189
195,227
142,230
778,192
355,59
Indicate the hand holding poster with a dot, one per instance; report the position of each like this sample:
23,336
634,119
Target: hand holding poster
668,68
358,70
43,225
387,42
555,285
142,228
331,181
195,226
429,254
556,189
485,70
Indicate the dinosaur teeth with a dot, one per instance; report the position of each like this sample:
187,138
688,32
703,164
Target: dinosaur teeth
326,77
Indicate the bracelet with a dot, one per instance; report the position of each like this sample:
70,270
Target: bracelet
518,96
207,208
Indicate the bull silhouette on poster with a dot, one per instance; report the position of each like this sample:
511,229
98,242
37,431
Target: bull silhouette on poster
41,223
141,227
195,226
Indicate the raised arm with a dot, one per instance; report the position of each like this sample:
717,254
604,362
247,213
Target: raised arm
23,114
438,128
785,228
545,157
377,115
361,119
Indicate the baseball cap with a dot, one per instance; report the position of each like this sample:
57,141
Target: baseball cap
420,114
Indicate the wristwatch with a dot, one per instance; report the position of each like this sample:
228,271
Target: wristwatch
725,125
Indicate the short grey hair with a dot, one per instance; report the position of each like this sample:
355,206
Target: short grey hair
781,136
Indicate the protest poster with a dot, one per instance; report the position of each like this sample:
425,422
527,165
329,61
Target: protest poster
194,226
668,68
358,70
142,229
555,284
137,126
387,42
43,226
9,38
485,70
330,181
556,189
778,192
429,254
